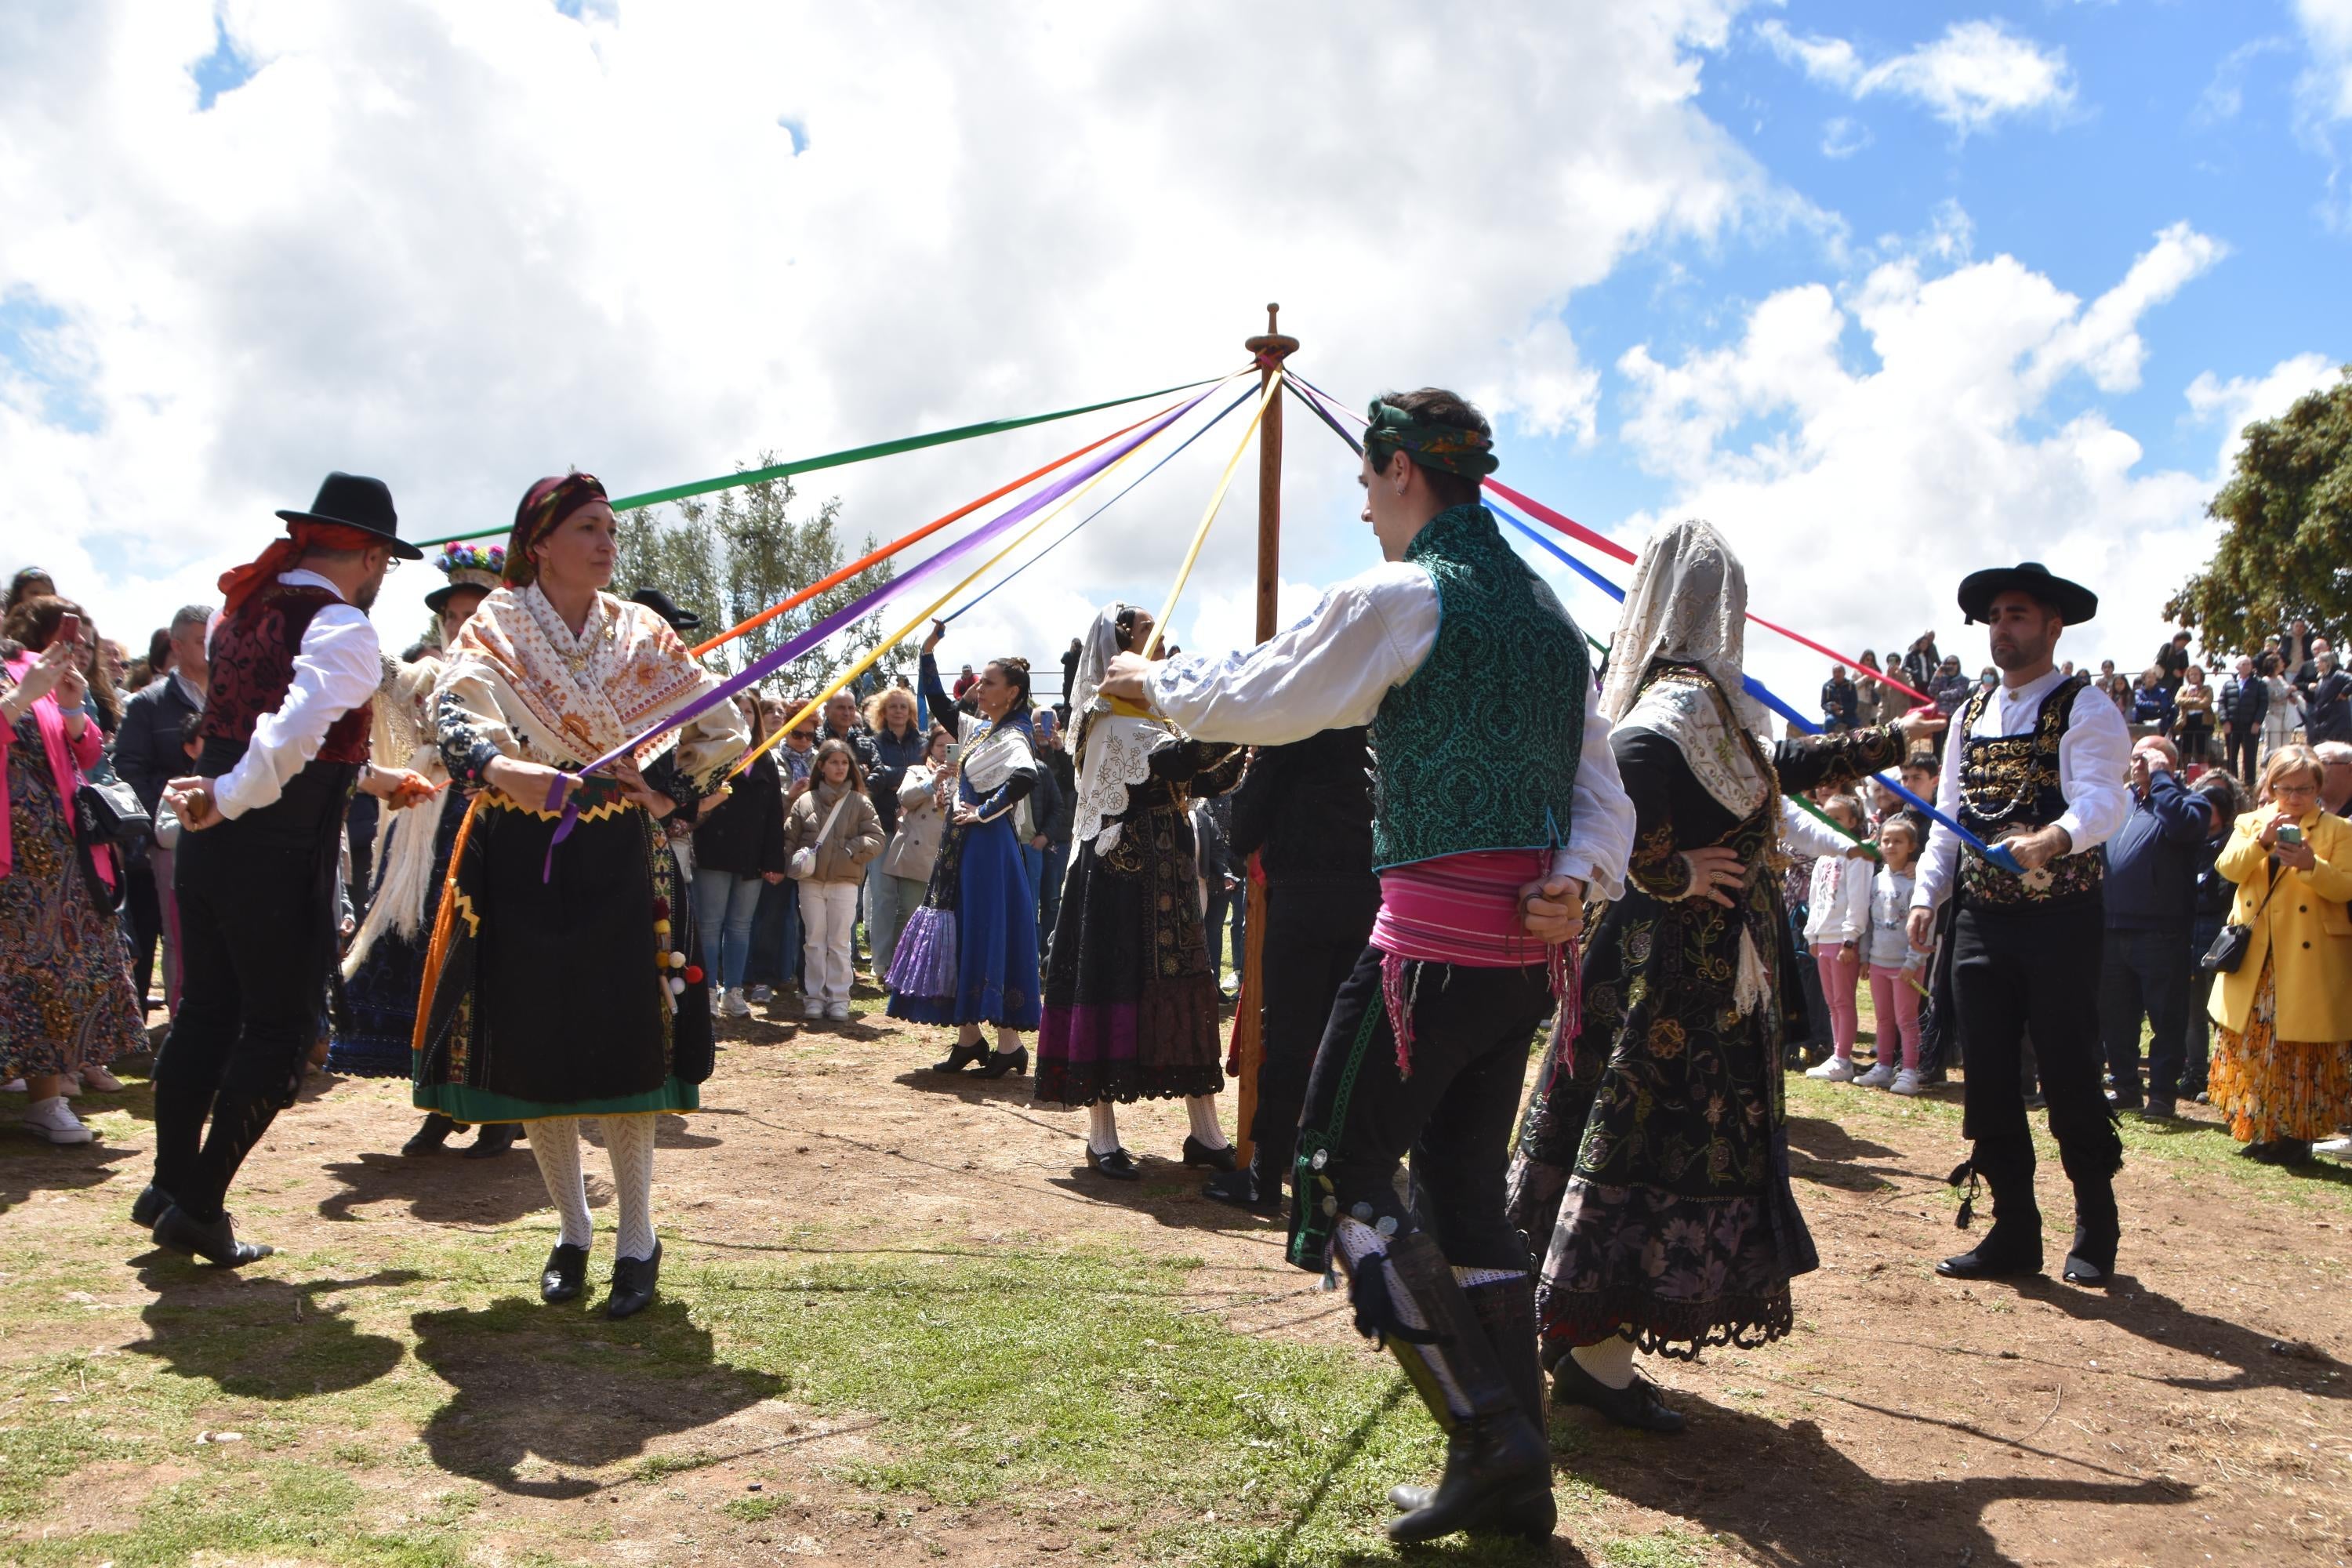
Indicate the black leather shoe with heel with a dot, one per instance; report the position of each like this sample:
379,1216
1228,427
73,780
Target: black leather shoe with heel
566,1276
634,1279
961,1057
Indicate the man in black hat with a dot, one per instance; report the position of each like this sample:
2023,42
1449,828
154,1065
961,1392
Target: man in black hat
659,603
285,729
2038,769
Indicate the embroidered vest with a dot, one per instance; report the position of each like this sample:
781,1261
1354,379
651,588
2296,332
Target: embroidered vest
253,669
2009,784
1477,750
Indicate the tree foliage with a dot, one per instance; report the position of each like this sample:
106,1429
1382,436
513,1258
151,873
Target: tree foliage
729,556
2287,551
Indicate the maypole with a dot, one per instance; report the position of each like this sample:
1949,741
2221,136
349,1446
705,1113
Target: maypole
1269,350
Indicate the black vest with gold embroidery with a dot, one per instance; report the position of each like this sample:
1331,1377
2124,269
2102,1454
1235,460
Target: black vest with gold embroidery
2011,784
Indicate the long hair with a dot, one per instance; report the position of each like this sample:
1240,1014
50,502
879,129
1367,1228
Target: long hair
837,747
877,703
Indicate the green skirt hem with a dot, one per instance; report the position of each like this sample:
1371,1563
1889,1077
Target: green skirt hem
459,1103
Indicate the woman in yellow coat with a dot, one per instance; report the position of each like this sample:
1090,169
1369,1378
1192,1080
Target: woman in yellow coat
2282,1055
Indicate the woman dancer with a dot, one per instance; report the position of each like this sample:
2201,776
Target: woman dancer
1654,1164
563,980
1130,995
969,956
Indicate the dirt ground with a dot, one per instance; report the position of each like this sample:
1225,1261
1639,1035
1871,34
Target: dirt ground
2194,1413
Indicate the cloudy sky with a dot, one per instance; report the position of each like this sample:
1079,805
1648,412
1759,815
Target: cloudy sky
1887,292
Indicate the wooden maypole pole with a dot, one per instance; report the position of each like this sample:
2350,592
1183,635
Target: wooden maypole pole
1270,350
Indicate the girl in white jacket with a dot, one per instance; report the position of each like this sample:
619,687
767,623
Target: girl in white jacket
1837,923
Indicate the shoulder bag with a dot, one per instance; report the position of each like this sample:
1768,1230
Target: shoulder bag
804,862
2229,949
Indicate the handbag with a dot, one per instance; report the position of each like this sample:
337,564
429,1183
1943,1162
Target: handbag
2231,945
107,811
803,865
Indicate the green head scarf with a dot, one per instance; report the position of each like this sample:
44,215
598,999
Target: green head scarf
1447,447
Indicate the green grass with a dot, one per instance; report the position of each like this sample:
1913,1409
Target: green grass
375,1423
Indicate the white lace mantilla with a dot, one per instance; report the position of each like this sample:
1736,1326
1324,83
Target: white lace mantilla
1115,757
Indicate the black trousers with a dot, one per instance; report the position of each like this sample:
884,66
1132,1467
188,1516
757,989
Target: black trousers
2146,974
257,938
1310,950
2038,970
1452,1112
142,917
2238,748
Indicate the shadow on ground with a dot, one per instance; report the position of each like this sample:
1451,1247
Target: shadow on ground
257,1337
543,1393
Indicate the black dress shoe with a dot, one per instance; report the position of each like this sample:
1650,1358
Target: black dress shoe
961,1057
566,1274
1199,1154
431,1136
1016,1062
1119,1165
1239,1188
494,1140
633,1285
215,1243
1636,1405
149,1206
2160,1111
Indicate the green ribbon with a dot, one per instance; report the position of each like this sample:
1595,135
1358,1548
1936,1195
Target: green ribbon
836,459
1838,827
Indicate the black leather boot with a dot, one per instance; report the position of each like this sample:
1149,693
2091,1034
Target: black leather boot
566,1276
634,1279
2013,1247
1240,1189
214,1242
1498,1464
961,1056
1506,1309
2098,1228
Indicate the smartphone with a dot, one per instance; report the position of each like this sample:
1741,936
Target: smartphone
2290,833
68,628
955,753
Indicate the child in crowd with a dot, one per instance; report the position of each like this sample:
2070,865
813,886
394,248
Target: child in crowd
1895,967
836,824
1837,922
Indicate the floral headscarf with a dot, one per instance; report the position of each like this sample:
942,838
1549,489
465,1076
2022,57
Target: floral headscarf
544,507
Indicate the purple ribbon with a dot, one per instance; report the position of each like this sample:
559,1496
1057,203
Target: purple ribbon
759,669
559,798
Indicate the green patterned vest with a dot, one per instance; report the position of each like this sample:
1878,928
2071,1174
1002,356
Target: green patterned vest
1477,750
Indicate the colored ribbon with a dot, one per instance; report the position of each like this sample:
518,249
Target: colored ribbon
846,455
932,609
759,669
1072,533
1216,501
1610,547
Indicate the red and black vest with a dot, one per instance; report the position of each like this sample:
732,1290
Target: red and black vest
253,669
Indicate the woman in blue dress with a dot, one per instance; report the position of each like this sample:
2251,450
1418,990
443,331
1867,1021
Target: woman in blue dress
969,956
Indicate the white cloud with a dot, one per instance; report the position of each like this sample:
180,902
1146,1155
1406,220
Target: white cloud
2328,28
462,243
1977,73
1842,137
1859,489
2239,401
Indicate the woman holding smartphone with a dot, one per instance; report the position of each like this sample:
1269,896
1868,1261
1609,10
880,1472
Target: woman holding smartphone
2282,1047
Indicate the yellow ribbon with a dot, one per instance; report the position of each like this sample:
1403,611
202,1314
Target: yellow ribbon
1201,534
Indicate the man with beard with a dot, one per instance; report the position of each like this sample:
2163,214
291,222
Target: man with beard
2035,766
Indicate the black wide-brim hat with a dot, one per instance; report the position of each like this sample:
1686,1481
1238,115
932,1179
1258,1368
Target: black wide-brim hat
2073,603
656,601
354,501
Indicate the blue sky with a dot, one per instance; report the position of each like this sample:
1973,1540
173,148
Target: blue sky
1885,291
